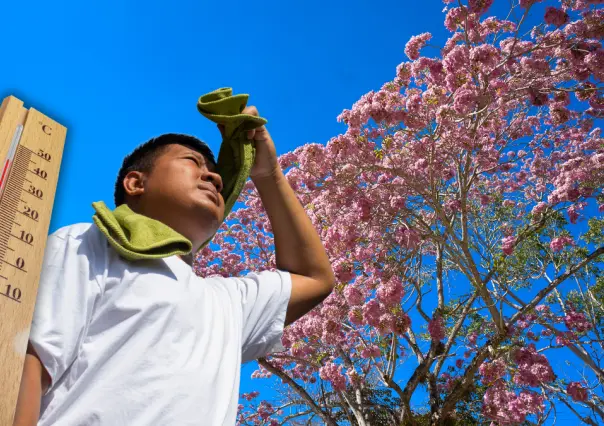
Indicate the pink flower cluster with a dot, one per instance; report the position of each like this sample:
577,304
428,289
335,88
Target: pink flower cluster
577,321
533,367
333,374
559,243
539,208
555,16
370,351
250,396
436,328
492,371
479,6
506,407
507,245
577,391
415,44
354,296
391,292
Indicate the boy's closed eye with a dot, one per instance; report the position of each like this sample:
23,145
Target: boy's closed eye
195,159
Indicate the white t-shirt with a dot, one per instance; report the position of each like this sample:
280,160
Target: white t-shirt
146,343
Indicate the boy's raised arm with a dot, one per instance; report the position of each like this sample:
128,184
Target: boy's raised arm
298,247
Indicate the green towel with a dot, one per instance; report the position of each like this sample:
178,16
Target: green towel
135,236
237,153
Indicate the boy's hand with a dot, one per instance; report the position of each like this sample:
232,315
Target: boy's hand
265,163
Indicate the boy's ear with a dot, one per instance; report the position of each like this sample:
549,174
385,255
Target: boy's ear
134,183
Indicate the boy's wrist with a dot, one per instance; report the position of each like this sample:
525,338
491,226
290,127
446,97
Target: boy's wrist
271,178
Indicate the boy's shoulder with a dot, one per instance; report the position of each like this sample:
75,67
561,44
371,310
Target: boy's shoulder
85,235
76,230
81,240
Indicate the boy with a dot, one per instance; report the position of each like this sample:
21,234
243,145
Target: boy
115,342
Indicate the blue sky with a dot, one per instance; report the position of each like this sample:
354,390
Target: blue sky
117,73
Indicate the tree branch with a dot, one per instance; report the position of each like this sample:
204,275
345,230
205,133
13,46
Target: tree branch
299,390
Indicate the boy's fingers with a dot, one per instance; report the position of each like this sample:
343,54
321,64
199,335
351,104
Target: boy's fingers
252,110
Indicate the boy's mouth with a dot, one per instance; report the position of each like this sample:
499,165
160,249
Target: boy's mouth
211,193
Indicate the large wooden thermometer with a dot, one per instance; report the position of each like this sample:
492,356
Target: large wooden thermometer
31,148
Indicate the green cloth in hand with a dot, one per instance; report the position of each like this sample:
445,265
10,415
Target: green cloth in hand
135,236
237,153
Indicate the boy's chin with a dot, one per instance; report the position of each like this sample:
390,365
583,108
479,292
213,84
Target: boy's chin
211,218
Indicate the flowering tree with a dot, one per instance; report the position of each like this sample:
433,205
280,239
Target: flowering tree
462,211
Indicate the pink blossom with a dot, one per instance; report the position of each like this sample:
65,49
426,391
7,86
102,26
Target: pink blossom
387,323
391,292
455,17
479,6
436,328
536,97
464,101
577,321
457,59
539,208
543,310
250,396
559,114
333,373
403,74
506,407
528,3
559,243
573,214
370,351
403,322
415,44
372,311
486,55
507,245
353,295
453,205
533,367
577,391
355,315
564,338
595,62
555,16
491,371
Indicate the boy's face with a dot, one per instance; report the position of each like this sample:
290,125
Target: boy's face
182,191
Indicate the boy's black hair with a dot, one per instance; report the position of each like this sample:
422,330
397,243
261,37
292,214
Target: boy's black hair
143,157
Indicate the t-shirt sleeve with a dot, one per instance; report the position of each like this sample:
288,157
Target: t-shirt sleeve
66,295
264,299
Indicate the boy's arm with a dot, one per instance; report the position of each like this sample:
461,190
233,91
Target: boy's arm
298,248
34,383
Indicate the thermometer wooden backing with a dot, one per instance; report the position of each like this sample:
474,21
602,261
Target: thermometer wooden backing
31,149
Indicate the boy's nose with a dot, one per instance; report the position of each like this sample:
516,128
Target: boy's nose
216,180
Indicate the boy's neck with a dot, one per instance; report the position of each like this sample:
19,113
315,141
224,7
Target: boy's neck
187,258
